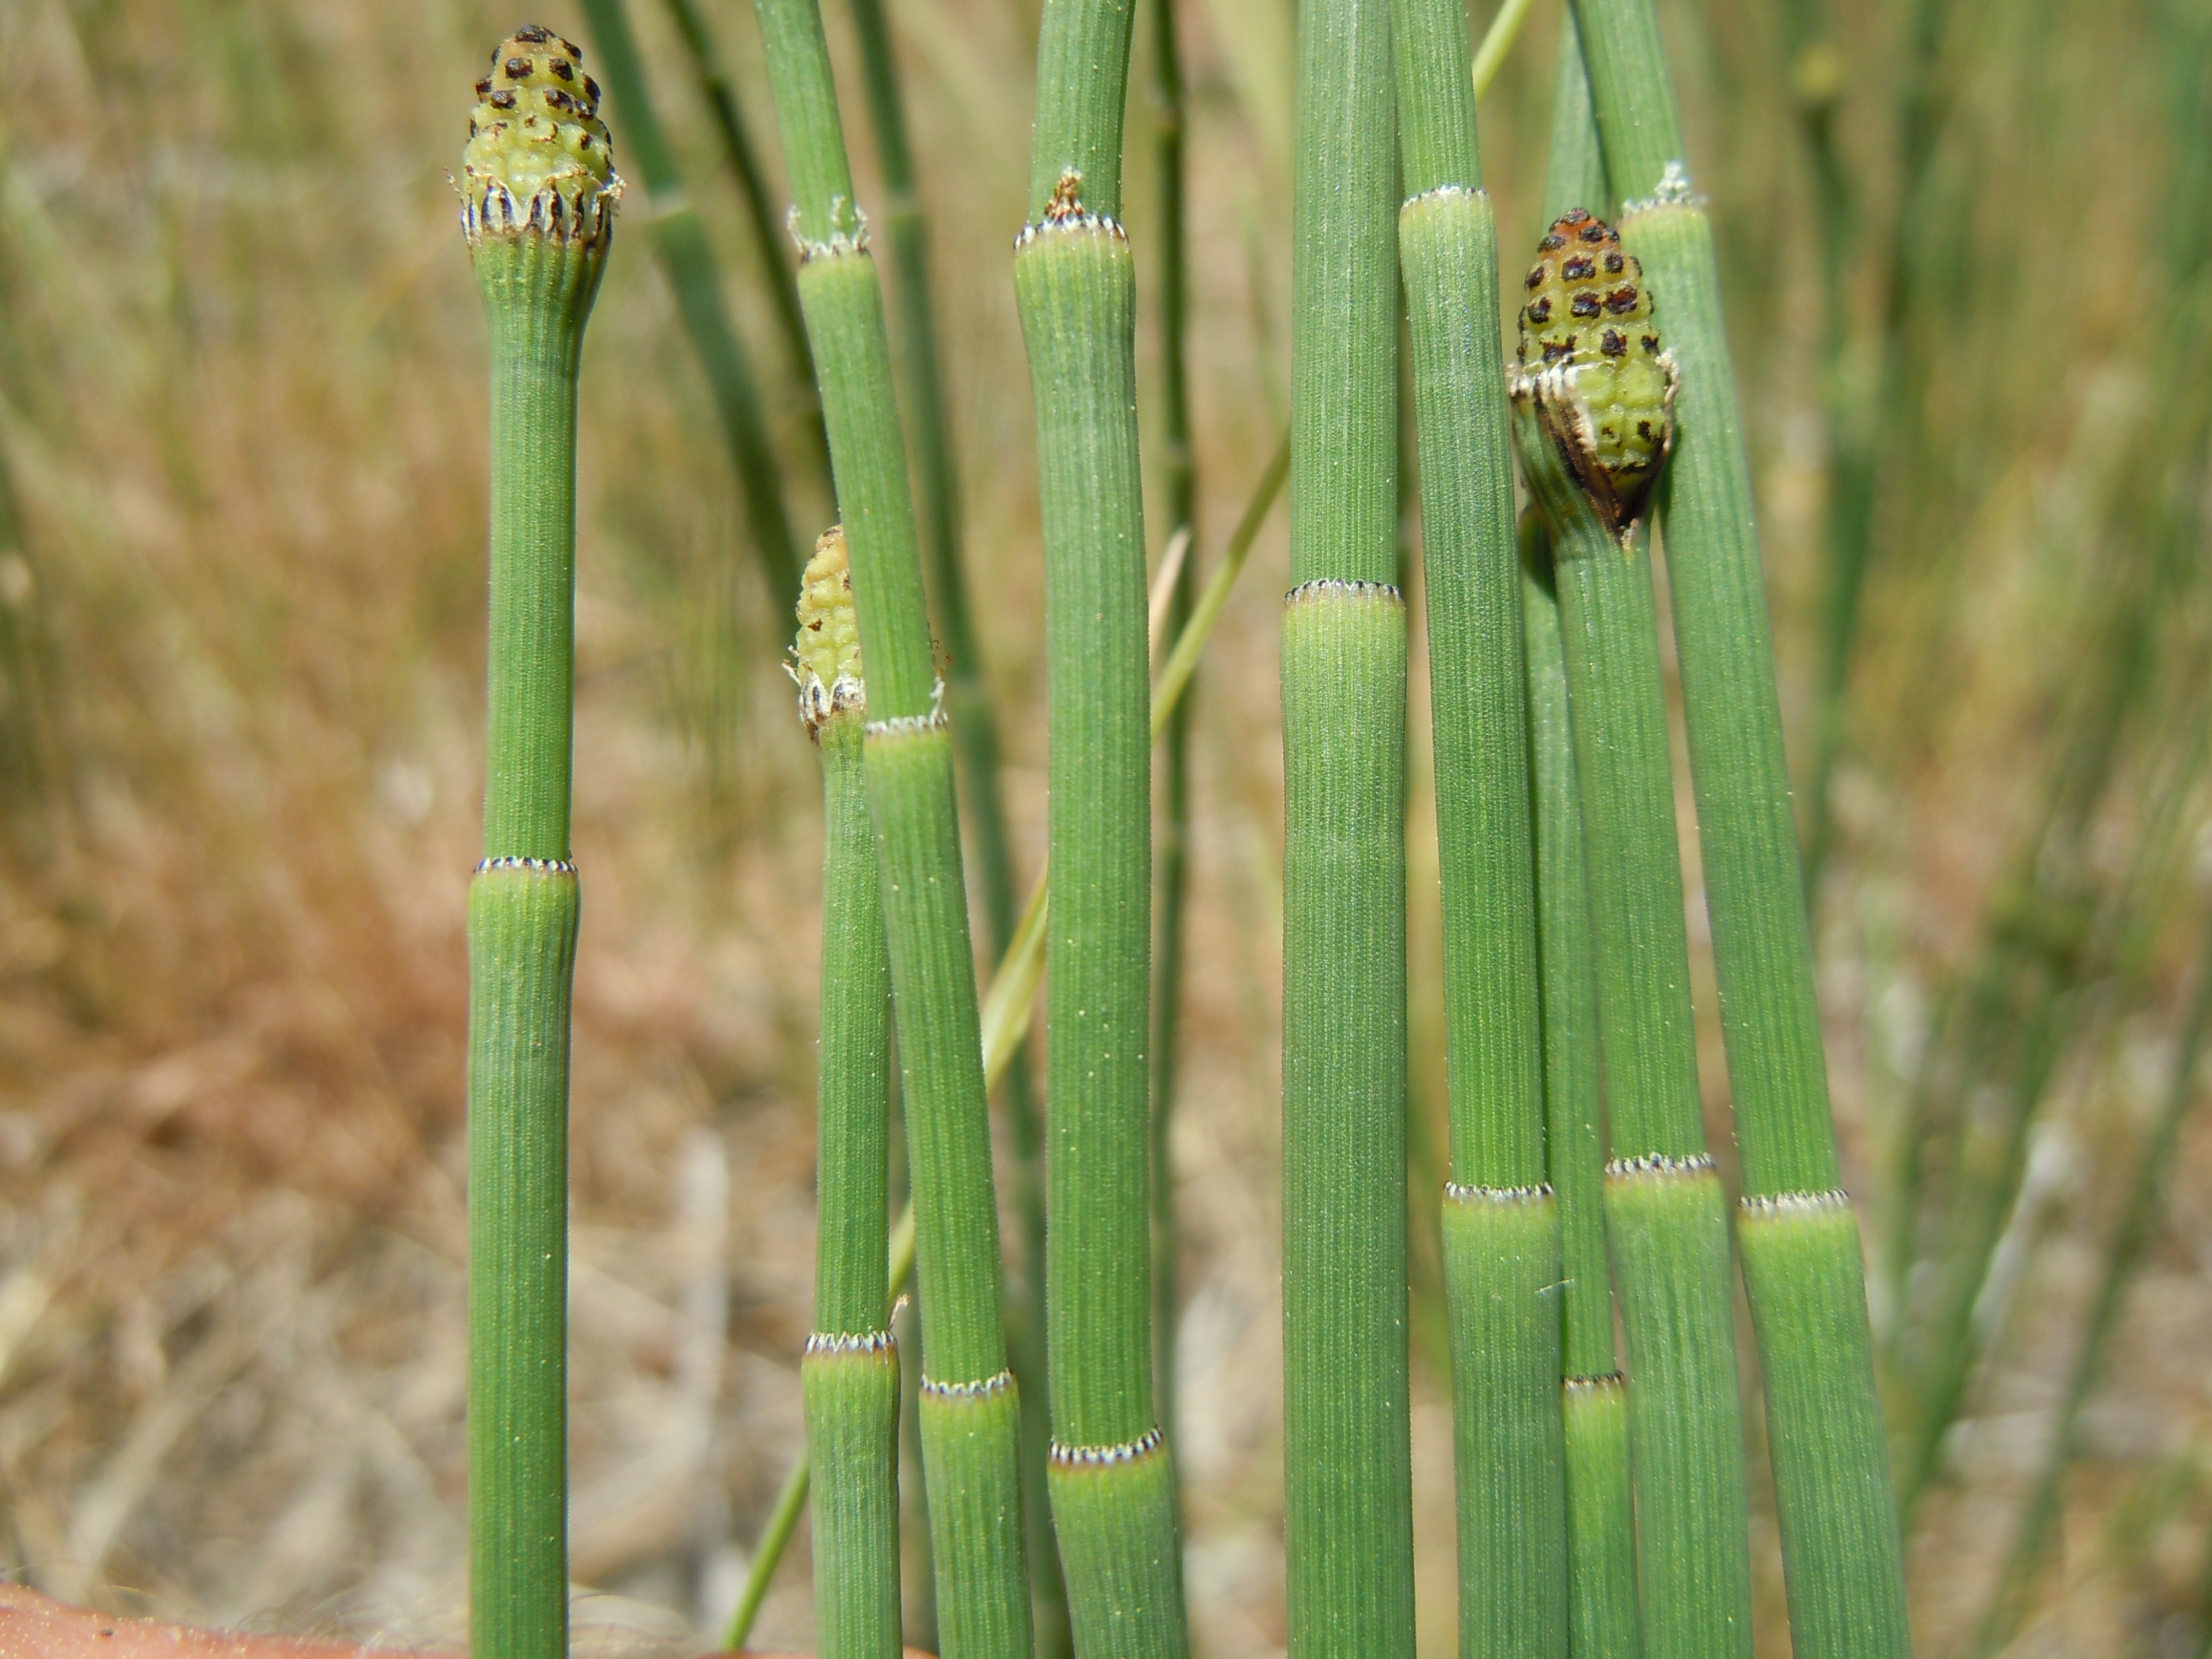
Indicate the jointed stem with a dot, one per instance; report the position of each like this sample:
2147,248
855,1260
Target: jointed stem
975,737
1007,1008
1841,1553
538,240
1500,1220
1348,1521
1112,1481
850,1376
969,1409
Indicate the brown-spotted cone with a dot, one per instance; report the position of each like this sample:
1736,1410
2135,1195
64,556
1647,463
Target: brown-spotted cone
536,136
1588,312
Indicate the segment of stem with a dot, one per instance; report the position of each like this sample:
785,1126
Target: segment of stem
1667,1219
1348,1521
1844,1547
538,258
1500,1224
849,1379
969,1407
1075,284
1601,1504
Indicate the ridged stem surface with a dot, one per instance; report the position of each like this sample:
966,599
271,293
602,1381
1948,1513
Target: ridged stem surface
1573,1103
1574,1122
1601,1505
1007,1012
1348,1520
930,436
522,919
1762,953
1806,1279
850,1388
1500,1224
1075,285
679,238
1346,1429
1602,1616
1501,1258
522,955
1344,297
969,1408
852,1055
850,1375
1666,1218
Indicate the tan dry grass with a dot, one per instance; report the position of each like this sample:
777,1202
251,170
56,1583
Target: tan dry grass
241,420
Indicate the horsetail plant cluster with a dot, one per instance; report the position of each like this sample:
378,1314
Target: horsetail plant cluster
969,1406
1601,1494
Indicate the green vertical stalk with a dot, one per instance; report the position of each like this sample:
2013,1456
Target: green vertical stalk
1803,1270
679,238
1604,1620
769,243
931,435
537,212
969,1406
1172,857
1500,1218
1666,1216
1347,1482
1112,1479
1006,1010
849,1379
974,735
1601,1502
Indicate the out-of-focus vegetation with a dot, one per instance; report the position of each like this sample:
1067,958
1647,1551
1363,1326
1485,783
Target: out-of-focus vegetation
241,529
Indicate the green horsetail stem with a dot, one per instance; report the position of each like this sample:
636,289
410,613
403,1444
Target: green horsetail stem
1501,1226
969,1407
849,1379
1007,1008
537,195
679,237
1075,284
1347,1428
1600,1501
1803,1269
975,736
1591,397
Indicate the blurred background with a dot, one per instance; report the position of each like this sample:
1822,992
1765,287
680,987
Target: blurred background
242,499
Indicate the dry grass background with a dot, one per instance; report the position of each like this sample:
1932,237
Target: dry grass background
241,508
